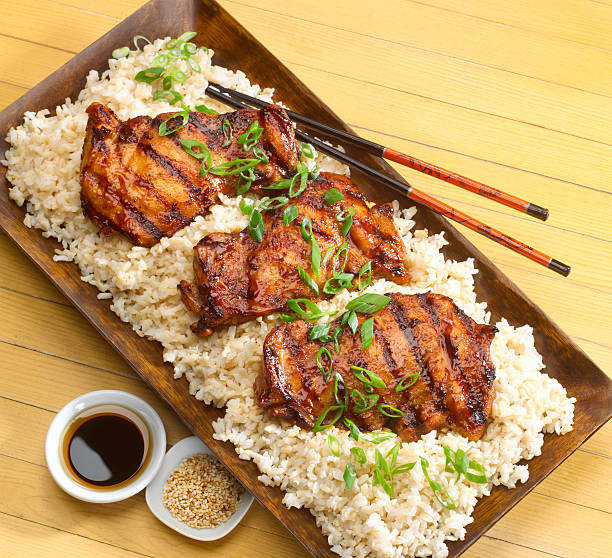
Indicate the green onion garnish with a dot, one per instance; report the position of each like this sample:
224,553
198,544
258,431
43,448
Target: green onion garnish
246,205
188,49
352,428
310,311
352,322
206,110
163,128
235,166
187,36
383,474
367,333
343,250
325,371
202,153
411,378
310,282
195,66
315,256
306,150
306,229
178,75
393,453
120,53
171,96
336,336
368,377
334,445
228,132
329,252
459,462
390,411
290,214
319,426
377,436
260,154
249,139
256,225
349,475
332,196
287,318
302,174
363,283
245,179
363,403
273,203
150,74
343,280
437,488
320,332
338,379
404,468
314,172
137,38
368,303
346,218
359,455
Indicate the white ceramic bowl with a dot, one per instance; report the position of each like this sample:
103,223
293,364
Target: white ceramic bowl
183,449
81,406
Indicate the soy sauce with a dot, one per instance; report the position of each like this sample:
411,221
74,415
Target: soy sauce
105,449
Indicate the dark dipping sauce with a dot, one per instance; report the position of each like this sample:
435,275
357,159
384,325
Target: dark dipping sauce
105,449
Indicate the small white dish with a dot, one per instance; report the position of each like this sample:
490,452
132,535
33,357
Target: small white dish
154,494
135,408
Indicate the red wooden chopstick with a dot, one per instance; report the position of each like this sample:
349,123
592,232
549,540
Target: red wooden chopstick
227,96
451,177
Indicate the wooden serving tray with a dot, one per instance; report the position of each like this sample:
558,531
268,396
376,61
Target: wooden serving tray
235,48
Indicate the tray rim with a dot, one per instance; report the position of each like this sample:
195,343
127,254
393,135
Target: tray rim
187,7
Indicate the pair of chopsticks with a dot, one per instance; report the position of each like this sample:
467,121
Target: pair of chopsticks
238,100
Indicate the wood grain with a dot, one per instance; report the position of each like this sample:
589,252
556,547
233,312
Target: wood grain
450,82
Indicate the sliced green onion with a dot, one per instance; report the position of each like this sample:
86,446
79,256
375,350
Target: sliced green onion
235,166
437,488
256,225
352,428
137,38
306,229
377,436
167,83
203,153
315,256
195,66
336,336
320,332
306,150
343,250
352,322
163,60
367,333
310,282
459,462
390,411
368,303
411,378
178,75
206,110
287,318
383,474
171,96
329,252
343,280
363,403
310,311
150,74
260,154
246,206
314,172
319,426
249,139
393,453
281,184
404,468
333,196
290,214
187,36
325,371
334,445
273,203
362,284
368,377
120,53
302,174
163,128
359,455
189,49
338,379
228,132
346,218
349,475
245,179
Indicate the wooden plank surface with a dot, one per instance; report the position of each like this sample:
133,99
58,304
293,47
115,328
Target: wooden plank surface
518,95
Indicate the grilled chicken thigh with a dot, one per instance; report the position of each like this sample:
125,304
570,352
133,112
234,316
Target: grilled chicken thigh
147,186
238,278
424,334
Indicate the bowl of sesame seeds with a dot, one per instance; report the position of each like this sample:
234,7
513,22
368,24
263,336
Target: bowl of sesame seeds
194,494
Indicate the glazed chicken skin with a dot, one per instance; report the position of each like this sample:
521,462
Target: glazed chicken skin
424,334
238,278
147,186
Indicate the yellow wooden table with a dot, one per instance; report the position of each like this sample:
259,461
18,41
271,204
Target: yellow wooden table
515,93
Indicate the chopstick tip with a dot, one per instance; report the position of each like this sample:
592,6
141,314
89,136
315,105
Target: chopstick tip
536,211
559,267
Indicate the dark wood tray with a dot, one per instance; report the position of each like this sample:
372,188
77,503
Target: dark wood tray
236,48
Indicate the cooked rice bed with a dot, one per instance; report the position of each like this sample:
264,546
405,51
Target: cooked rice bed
43,167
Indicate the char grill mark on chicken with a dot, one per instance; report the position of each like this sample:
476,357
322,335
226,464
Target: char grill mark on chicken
147,186
426,334
238,278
